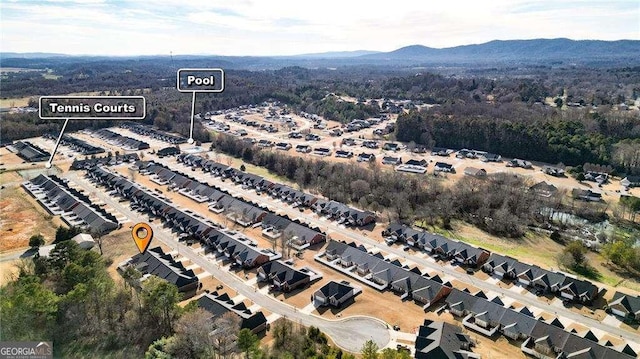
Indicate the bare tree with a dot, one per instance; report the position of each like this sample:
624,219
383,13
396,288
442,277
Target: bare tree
97,236
192,335
224,335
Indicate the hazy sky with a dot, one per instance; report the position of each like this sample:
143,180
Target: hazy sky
285,27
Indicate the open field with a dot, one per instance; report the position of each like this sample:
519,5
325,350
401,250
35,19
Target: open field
21,217
8,271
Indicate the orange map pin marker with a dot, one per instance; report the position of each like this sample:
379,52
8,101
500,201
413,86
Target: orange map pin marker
142,234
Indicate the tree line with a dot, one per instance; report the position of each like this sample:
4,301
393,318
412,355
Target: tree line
607,139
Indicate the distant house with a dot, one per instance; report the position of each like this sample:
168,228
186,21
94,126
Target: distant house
414,162
370,144
344,154
519,163
168,151
284,146
29,152
439,151
413,166
366,157
553,171
625,305
491,157
598,177
544,189
388,160
335,294
74,207
349,142
586,195
443,167
265,143
630,181
475,172
442,340
391,146
322,151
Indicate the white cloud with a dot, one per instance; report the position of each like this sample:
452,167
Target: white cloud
281,27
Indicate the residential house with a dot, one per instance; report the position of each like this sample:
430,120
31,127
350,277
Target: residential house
586,195
300,235
284,146
388,160
74,207
625,306
322,151
490,157
544,189
335,294
391,146
168,151
282,276
439,151
442,340
344,154
366,157
630,181
220,304
155,262
381,274
29,152
519,163
443,167
475,172
553,171
599,177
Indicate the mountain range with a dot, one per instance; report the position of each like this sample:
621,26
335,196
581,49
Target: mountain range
497,52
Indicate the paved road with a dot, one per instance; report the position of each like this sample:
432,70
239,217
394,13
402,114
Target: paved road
353,235
17,254
349,333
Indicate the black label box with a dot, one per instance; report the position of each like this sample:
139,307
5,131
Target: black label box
200,80
92,107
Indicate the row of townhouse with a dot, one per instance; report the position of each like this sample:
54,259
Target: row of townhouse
381,273
528,275
29,152
87,163
235,248
238,210
437,245
76,144
539,339
335,210
219,304
157,263
284,277
125,142
75,208
149,131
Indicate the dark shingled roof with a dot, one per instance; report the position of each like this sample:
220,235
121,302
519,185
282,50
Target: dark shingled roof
218,305
439,340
